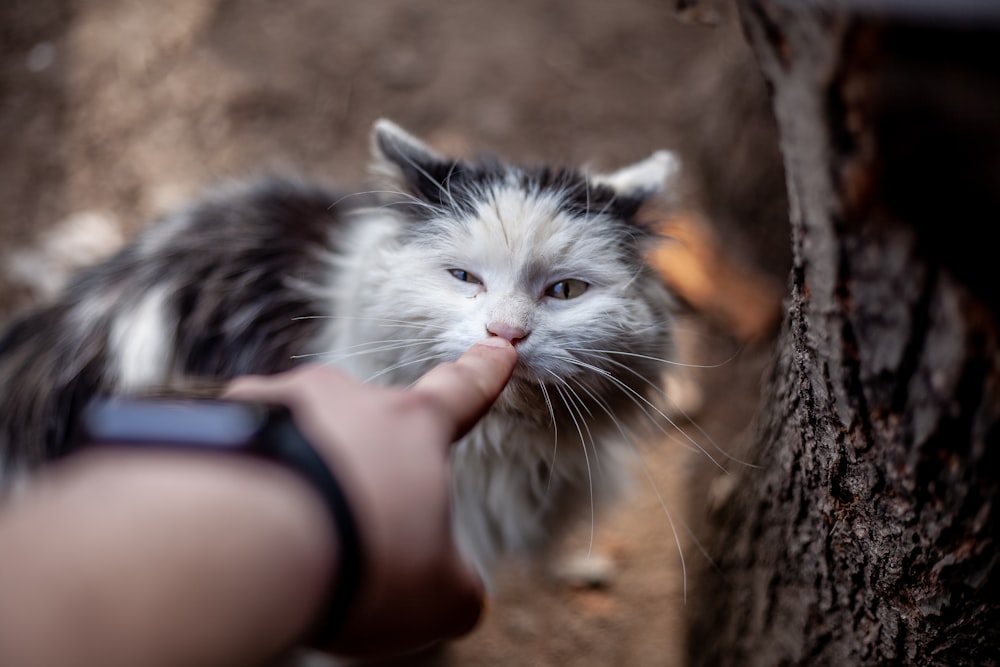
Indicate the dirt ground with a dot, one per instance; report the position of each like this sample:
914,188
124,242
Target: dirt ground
113,112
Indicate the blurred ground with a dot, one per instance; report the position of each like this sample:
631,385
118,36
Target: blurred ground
112,112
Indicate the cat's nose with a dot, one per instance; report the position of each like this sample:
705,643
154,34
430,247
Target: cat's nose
512,333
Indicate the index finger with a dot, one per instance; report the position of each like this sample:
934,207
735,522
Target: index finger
467,387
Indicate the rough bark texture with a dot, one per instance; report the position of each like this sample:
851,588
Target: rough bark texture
869,535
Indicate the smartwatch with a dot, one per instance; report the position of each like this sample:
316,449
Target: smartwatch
237,427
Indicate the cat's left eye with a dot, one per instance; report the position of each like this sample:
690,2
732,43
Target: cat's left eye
465,276
567,289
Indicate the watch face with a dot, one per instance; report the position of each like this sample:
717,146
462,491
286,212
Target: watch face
175,422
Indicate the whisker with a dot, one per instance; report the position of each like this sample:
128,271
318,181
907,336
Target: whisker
659,390
658,360
370,347
447,184
432,357
555,434
383,320
409,200
423,172
656,490
586,458
629,391
581,407
656,423
673,528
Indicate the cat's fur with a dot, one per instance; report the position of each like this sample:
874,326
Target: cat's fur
258,278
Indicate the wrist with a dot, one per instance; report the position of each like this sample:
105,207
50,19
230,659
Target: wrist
242,428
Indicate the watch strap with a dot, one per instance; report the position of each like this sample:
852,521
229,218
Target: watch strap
280,440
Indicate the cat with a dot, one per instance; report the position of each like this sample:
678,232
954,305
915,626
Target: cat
258,277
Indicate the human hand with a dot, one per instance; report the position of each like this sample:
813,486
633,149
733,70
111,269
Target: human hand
389,448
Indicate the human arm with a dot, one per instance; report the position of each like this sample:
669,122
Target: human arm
125,557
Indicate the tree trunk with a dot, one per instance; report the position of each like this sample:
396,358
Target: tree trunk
869,534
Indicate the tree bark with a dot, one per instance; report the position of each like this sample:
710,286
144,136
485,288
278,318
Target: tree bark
869,534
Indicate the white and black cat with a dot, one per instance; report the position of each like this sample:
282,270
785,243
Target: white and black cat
385,284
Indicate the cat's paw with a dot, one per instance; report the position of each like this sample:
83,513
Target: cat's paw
584,570
684,396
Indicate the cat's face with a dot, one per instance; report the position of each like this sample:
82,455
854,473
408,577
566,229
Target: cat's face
551,260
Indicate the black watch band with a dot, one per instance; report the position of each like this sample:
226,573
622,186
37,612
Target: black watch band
242,427
281,441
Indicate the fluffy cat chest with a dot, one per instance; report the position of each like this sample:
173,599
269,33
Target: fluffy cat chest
518,486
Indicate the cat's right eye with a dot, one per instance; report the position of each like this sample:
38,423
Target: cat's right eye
465,276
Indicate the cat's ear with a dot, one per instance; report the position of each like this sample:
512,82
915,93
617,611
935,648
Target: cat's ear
406,162
656,174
